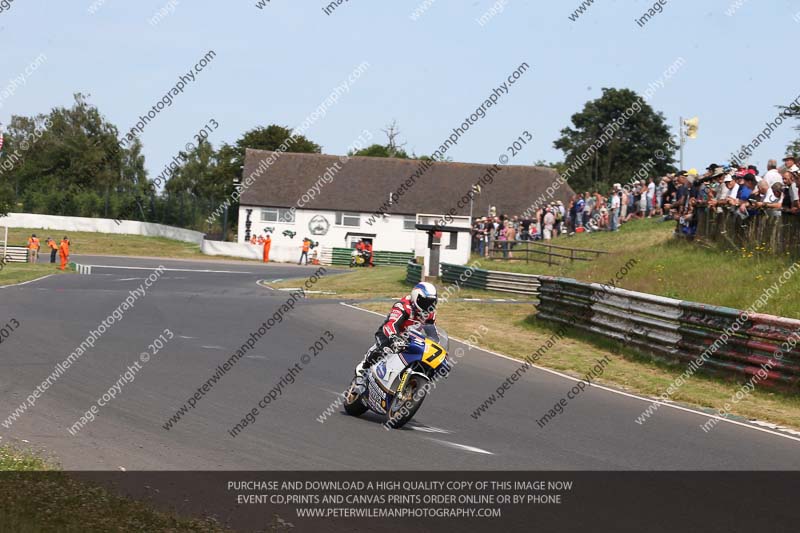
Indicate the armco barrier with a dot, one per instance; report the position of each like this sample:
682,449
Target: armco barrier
16,254
677,330
492,280
413,273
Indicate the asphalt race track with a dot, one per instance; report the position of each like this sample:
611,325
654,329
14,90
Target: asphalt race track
211,307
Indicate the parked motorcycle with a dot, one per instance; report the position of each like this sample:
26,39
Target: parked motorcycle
397,384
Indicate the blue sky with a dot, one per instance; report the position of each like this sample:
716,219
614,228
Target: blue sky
277,64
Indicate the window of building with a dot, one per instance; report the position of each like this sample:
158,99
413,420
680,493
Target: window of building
348,219
409,222
275,214
453,244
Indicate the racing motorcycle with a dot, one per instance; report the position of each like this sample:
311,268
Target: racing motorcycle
397,384
359,258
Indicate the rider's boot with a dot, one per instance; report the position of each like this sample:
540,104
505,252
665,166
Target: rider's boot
363,367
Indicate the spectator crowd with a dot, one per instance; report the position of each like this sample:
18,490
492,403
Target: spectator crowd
739,189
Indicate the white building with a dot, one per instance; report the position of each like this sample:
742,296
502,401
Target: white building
336,201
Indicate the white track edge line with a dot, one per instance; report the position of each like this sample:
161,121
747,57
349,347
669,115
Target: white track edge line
26,282
170,269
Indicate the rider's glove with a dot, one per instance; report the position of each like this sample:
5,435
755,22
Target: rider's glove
398,344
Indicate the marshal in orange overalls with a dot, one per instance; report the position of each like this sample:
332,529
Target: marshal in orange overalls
267,245
63,251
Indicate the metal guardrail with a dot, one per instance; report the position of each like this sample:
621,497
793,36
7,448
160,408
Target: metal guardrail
519,250
16,254
677,330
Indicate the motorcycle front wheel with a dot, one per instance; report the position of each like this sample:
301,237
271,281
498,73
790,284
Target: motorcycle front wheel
353,404
407,403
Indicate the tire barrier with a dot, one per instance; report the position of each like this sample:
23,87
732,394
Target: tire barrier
413,273
341,256
491,280
728,341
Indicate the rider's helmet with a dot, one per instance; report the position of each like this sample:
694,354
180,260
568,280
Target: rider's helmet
423,297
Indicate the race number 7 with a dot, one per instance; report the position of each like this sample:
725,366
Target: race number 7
435,354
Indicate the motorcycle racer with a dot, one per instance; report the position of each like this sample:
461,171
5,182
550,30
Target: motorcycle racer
419,307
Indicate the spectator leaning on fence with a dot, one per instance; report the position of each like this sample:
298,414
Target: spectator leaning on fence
791,199
678,197
772,175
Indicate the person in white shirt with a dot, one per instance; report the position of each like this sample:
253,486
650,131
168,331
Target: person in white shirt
615,204
722,190
549,222
732,188
773,199
772,176
651,195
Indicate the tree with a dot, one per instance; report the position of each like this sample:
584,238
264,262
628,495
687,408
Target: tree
134,177
65,160
392,146
271,138
391,149
793,111
379,150
6,197
612,138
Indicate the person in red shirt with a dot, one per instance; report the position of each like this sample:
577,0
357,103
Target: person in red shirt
368,250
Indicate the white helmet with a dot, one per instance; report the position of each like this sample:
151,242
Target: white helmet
423,297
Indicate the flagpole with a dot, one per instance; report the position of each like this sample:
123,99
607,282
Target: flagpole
683,140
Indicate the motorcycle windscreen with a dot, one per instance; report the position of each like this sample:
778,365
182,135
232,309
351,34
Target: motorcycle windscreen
428,344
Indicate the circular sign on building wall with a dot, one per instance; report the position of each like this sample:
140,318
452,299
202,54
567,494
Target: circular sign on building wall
318,225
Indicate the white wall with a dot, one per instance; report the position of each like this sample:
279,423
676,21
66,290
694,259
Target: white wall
99,225
389,232
279,253
232,249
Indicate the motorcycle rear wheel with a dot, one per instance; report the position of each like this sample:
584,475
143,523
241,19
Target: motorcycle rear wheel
403,409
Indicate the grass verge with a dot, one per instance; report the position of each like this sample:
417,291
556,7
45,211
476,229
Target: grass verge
514,331
35,496
379,282
90,243
18,272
